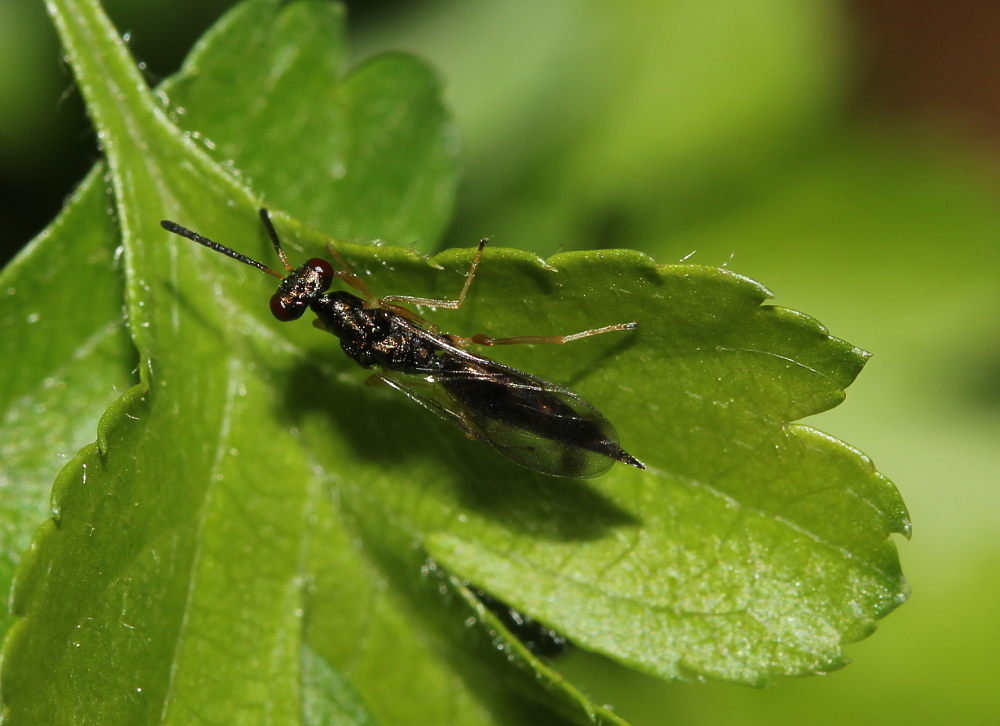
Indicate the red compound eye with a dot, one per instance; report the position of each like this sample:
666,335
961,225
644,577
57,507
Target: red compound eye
284,312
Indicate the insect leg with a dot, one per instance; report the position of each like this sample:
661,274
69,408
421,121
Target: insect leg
409,315
430,302
353,280
349,278
482,339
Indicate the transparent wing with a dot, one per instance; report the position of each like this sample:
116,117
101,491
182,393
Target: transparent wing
532,422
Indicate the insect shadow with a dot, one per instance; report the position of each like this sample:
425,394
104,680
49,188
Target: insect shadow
386,431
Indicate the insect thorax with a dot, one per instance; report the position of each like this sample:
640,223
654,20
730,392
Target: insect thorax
375,336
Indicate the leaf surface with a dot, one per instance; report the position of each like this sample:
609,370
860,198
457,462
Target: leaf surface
258,536
195,589
382,149
66,356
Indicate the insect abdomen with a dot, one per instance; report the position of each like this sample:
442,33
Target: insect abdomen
558,434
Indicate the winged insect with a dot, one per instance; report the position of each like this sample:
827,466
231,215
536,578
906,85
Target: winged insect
535,423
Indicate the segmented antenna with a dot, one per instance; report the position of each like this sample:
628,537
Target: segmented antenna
195,237
265,217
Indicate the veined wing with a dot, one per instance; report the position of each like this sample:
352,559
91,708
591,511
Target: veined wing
536,424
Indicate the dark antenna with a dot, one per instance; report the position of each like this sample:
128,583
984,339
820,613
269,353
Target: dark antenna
195,237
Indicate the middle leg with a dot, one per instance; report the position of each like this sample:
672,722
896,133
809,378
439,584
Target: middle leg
482,339
431,302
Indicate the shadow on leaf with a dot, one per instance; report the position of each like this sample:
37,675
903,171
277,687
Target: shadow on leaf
391,433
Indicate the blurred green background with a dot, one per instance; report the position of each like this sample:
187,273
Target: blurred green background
843,154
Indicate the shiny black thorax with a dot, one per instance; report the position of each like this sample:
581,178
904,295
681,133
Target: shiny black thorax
374,336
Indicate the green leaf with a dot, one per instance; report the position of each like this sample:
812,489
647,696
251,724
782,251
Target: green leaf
139,569
878,231
382,147
751,547
327,698
258,536
66,356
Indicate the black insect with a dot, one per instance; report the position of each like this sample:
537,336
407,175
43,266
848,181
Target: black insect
532,422
539,639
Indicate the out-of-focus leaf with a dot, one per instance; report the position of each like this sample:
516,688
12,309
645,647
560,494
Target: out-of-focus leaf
596,117
382,147
327,697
